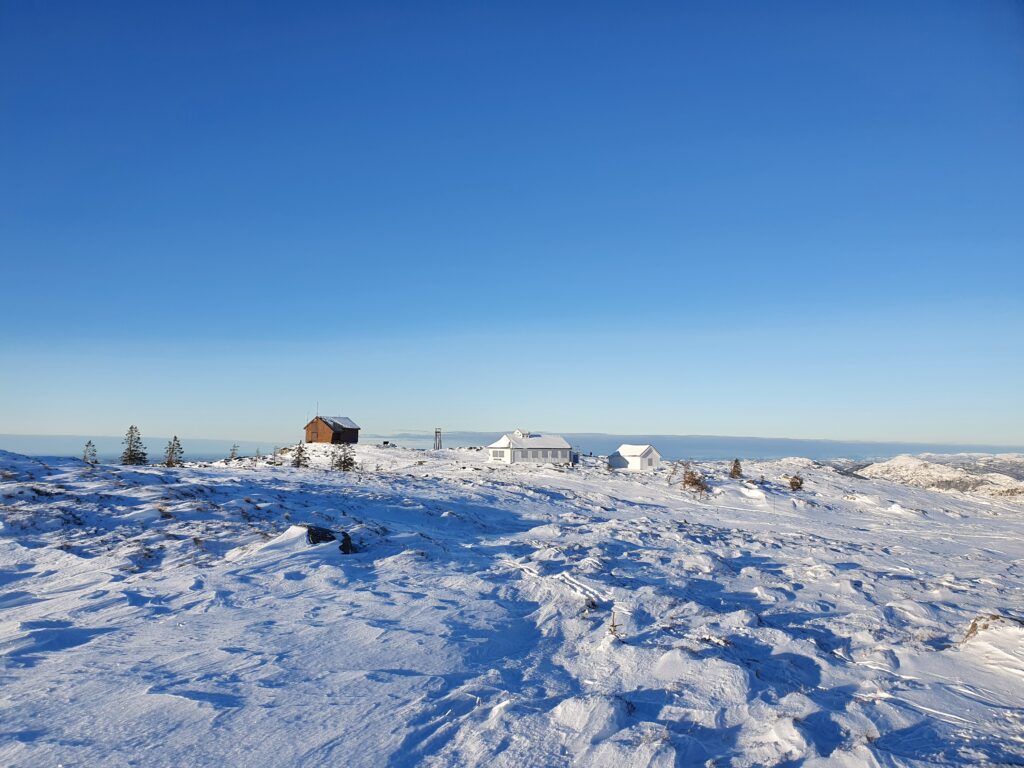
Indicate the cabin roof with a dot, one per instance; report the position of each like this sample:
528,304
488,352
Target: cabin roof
631,449
337,422
519,439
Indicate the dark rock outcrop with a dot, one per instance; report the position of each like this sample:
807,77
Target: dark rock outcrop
347,547
317,535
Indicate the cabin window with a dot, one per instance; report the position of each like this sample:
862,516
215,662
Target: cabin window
650,462
497,454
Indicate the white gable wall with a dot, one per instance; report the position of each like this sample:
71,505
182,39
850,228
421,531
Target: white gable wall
502,455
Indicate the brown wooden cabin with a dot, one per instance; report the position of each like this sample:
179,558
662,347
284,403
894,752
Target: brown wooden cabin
332,429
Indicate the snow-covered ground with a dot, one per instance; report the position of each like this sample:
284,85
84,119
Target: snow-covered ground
169,617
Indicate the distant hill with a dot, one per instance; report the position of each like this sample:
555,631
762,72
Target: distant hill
955,473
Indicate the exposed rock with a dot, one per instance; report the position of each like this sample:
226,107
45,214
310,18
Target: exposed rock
317,535
346,547
986,621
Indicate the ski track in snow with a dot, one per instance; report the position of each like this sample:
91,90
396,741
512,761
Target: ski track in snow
154,616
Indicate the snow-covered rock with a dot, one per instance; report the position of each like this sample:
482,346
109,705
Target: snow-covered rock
919,473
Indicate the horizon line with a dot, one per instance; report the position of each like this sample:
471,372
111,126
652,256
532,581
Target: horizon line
429,434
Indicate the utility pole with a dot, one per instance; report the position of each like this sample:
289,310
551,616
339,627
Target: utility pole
437,438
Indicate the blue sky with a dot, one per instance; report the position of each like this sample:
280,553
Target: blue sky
795,219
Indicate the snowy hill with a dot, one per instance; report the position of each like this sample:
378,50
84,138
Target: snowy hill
963,476
168,617
1009,464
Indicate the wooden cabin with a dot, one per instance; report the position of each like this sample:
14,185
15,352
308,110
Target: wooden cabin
332,429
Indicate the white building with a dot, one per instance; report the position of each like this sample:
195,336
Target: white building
520,446
636,457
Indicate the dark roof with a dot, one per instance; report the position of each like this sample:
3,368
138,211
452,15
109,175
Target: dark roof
340,422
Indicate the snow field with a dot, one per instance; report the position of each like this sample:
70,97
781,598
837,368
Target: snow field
164,617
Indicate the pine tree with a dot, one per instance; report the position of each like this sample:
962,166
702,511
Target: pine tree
89,454
796,483
234,452
344,458
737,471
174,453
300,459
134,451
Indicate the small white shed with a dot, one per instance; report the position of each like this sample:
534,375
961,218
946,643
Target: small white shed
635,457
524,446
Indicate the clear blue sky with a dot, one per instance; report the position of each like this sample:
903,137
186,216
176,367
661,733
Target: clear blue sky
800,219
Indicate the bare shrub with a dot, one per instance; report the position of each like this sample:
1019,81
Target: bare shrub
694,480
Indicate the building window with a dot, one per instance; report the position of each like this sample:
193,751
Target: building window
497,454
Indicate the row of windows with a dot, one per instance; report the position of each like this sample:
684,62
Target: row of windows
533,453
542,454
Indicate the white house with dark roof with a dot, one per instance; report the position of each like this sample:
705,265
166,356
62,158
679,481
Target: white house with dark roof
635,457
524,446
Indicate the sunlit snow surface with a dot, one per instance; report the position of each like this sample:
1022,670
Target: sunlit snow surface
156,617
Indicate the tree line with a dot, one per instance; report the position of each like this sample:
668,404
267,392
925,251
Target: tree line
135,454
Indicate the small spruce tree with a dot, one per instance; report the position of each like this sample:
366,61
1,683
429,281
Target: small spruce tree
89,453
796,483
134,451
737,471
174,453
234,452
344,458
300,459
